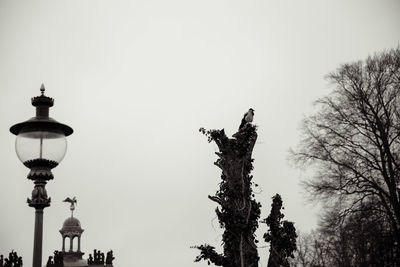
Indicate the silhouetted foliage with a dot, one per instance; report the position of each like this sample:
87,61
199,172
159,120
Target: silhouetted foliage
363,239
13,260
238,212
57,260
281,235
312,251
353,141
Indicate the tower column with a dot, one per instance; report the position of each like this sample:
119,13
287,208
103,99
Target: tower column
79,244
63,243
70,243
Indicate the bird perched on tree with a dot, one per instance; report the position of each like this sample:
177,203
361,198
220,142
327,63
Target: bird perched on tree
247,118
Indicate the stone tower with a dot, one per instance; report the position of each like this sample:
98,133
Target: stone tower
71,256
70,230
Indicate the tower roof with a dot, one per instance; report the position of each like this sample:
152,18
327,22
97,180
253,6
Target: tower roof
71,226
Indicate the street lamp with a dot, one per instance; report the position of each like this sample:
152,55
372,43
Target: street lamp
40,145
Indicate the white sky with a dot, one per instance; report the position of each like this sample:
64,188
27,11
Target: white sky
136,79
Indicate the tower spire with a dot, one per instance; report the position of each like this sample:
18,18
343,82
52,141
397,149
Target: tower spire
73,202
42,89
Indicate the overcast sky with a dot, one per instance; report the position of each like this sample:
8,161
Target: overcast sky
136,80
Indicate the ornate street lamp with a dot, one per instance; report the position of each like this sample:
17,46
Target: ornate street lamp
40,145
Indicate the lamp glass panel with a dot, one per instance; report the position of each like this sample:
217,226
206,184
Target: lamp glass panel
50,145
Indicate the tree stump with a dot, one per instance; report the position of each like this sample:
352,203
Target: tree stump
238,212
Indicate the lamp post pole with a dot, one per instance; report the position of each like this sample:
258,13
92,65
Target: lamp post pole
40,145
38,239
39,201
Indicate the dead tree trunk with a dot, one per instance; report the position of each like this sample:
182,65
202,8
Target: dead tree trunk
238,212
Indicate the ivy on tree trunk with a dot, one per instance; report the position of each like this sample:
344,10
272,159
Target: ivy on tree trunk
238,212
281,235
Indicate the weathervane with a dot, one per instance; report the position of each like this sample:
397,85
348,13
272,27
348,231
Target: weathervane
73,202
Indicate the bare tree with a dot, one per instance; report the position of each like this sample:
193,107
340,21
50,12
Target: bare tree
363,239
312,251
353,140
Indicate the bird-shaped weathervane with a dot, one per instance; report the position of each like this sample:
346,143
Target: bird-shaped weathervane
73,202
247,118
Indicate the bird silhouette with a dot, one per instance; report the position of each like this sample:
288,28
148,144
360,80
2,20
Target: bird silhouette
247,118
